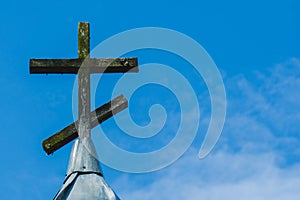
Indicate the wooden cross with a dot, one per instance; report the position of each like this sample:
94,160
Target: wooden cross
84,66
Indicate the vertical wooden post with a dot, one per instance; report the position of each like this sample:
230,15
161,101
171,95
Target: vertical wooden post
84,107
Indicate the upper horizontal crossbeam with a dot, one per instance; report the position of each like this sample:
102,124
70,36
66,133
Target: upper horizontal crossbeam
72,66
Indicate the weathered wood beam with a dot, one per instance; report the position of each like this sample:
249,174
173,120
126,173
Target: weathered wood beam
70,133
83,40
84,102
71,66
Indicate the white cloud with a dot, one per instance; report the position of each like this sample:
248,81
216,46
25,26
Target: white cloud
220,176
252,159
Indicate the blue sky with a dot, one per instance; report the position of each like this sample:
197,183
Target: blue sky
255,45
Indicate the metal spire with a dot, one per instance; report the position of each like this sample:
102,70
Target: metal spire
84,179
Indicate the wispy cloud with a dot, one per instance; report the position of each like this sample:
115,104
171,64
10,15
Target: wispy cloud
257,156
222,176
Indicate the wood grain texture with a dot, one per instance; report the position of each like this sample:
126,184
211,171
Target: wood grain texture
72,66
70,133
